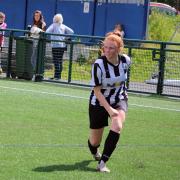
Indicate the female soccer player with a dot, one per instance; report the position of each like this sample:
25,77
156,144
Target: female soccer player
108,98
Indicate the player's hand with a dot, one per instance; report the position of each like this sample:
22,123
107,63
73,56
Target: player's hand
113,113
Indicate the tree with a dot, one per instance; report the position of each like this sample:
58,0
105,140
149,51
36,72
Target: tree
173,3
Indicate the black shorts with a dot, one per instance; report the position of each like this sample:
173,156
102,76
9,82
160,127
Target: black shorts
98,116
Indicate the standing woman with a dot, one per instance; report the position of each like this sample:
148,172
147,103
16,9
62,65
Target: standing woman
58,46
38,20
38,25
108,98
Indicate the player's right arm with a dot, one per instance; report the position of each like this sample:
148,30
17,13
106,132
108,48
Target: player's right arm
97,91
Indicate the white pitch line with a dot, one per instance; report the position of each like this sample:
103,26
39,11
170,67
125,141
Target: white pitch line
42,92
83,145
79,97
156,107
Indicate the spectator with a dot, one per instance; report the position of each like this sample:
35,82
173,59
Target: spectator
38,20
3,25
58,47
38,26
118,28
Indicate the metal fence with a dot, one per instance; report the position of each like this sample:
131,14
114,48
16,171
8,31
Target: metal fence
155,65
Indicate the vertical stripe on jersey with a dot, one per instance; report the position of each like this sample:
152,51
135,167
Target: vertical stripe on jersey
112,91
96,80
117,98
91,96
116,71
106,68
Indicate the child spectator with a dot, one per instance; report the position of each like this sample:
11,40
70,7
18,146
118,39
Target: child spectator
3,25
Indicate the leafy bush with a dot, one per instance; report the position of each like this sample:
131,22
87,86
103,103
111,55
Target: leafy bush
161,26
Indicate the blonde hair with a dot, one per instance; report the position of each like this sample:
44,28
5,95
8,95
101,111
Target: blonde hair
58,18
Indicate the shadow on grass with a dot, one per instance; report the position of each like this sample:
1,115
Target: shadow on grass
79,166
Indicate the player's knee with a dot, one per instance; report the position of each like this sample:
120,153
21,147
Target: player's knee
94,142
117,127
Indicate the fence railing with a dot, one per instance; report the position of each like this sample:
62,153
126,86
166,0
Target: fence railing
155,65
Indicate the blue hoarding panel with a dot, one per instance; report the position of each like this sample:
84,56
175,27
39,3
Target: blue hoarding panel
100,20
78,15
15,13
133,17
132,20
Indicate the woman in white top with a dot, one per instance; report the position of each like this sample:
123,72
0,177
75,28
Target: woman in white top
58,47
38,26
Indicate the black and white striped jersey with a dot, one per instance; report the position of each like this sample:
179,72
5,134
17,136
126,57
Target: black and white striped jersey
111,78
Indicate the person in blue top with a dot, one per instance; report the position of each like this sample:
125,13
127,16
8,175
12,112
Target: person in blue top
58,47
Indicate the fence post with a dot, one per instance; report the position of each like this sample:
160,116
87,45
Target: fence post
39,70
161,69
9,54
70,62
129,70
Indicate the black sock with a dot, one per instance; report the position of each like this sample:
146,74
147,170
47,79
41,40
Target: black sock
93,149
110,145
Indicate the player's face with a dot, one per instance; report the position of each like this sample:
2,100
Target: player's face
111,49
